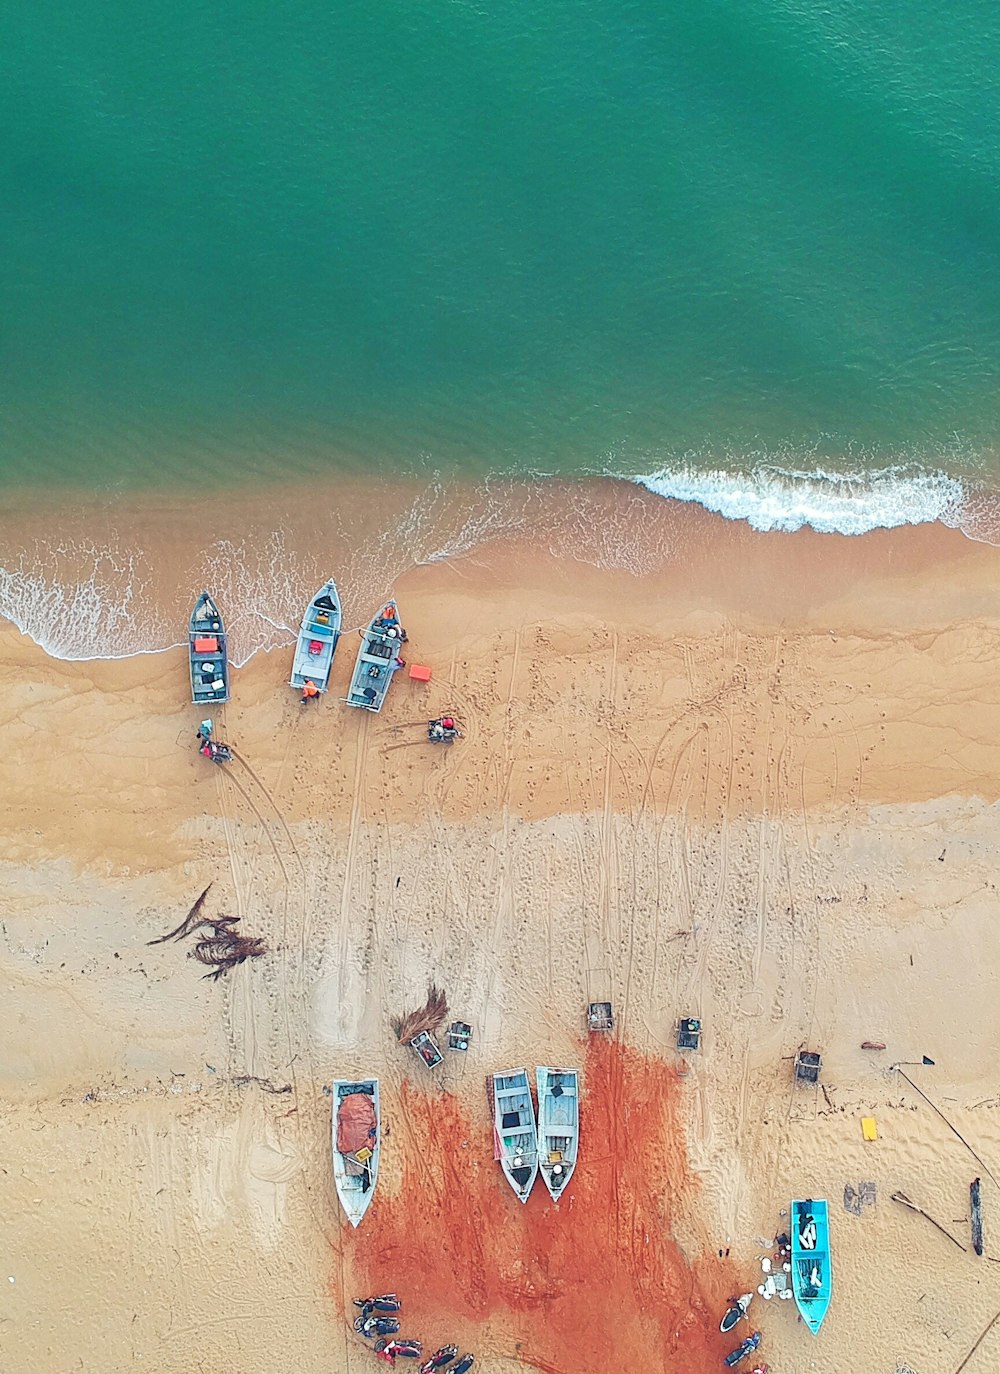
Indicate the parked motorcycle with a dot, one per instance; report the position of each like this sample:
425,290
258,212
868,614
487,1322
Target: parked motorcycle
388,1350
387,1302
744,1349
216,751
736,1313
372,1326
439,1359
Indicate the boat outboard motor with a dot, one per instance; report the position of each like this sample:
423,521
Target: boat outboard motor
744,1349
463,1365
387,1302
439,1359
736,1313
370,1327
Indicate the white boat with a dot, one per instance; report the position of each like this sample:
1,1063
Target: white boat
317,641
515,1132
558,1126
356,1127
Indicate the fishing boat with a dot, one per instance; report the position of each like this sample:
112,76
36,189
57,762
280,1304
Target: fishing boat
207,654
357,1134
317,641
378,659
812,1278
515,1133
558,1126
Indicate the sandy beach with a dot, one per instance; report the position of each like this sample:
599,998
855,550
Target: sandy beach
756,783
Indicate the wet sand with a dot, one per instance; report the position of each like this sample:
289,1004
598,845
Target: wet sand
757,784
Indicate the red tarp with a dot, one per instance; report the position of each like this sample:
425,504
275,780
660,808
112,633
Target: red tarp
356,1124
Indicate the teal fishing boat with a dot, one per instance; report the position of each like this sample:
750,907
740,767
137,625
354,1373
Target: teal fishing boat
207,654
812,1277
378,660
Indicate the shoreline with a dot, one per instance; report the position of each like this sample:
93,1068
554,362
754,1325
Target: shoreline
757,782
109,580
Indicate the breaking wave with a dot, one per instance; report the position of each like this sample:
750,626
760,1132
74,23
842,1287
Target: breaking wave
769,497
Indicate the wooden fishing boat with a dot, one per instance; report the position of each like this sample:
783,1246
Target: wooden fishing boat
357,1138
812,1277
317,641
515,1131
378,660
558,1126
207,654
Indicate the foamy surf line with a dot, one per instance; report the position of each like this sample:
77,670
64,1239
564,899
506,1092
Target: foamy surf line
770,498
130,594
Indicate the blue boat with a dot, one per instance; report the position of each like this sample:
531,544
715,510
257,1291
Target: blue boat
812,1276
378,660
207,654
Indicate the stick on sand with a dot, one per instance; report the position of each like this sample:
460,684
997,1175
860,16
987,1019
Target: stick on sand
946,1122
905,1202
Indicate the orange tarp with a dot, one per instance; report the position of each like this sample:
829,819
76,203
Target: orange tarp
355,1124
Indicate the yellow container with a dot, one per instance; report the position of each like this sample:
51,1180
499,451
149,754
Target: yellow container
868,1128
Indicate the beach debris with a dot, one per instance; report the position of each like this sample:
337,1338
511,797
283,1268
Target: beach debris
954,1131
224,950
986,1331
855,1200
265,1084
872,1045
430,1017
186,925
869,1128
599,1017
807,1066
977,1216
906,1202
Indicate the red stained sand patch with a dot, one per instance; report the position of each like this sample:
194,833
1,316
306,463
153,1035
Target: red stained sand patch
573,1289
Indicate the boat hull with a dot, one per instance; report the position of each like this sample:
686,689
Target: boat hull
208,654
812,1274
558,1126
516,1131
317,639
377,662
354,1190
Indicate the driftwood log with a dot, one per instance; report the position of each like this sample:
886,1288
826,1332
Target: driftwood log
977,1216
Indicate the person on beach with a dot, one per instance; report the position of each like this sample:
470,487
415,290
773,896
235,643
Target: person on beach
205,731
310,692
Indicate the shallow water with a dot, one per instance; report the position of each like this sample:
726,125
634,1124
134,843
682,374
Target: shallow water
249,242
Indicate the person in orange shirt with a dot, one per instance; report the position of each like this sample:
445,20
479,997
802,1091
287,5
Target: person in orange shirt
310,692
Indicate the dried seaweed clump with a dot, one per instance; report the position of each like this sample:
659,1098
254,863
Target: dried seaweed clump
430,1017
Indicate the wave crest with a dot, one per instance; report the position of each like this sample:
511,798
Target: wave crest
768,497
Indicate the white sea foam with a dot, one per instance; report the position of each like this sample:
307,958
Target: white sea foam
769,497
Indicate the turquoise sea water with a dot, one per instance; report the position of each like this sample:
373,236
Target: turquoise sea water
754,239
